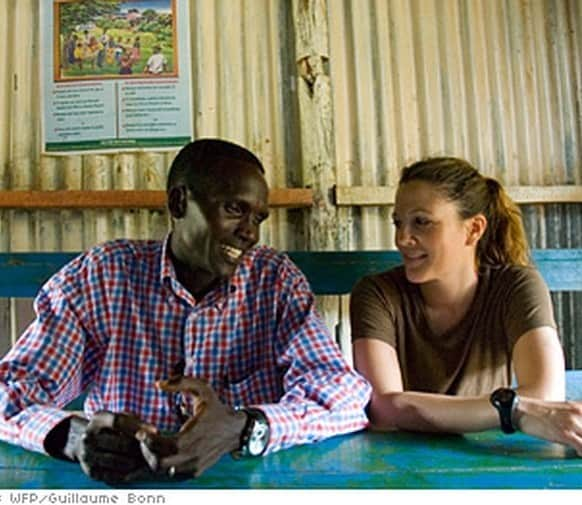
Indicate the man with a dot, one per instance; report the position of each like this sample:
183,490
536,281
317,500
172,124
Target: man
205,336
157,62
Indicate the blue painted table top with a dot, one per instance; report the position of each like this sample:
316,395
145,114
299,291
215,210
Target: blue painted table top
363,460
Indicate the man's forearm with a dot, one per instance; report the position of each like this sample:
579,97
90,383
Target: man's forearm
335,405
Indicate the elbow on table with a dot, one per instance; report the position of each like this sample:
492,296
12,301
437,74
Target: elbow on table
408,412
386,413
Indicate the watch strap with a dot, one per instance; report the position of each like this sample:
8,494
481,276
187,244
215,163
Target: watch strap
505,400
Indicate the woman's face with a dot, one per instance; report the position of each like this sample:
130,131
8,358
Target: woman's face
435,242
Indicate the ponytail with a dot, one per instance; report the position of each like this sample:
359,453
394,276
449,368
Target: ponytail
504,241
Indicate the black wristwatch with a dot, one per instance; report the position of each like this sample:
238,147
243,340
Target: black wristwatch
505,400
255,435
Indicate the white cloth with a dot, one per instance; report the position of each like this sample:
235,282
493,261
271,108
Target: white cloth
156,63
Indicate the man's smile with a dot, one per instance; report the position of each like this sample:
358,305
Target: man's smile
231,252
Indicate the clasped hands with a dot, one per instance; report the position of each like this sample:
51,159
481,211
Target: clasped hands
120,448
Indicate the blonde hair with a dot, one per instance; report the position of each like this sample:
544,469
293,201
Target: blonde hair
504,241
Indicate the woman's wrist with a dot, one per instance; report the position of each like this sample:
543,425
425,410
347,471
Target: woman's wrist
527,408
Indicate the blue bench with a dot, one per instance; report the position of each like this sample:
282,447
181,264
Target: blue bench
329,273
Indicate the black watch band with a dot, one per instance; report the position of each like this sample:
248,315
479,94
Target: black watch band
505,400
255,435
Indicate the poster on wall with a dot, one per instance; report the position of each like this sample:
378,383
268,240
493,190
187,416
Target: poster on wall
116,75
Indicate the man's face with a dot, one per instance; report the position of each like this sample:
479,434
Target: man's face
223,222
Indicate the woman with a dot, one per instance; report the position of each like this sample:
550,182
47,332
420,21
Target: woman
441,337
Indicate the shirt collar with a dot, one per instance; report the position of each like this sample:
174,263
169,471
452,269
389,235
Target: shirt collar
219,295
167,270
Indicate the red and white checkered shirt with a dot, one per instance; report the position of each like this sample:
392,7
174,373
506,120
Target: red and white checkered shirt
116,319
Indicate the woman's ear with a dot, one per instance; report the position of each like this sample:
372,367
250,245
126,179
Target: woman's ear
476,228
177,201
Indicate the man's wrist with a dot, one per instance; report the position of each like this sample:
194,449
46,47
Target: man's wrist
241,420
255,435
64,439
77,429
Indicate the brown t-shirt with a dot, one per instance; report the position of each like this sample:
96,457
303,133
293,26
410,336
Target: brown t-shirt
472,358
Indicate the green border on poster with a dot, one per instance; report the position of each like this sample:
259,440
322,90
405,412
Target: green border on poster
145,143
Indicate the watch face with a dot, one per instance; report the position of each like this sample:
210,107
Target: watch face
259,438
504,396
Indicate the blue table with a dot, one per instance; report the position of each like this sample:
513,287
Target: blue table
363,460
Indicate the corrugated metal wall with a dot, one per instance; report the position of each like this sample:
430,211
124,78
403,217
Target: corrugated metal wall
495,81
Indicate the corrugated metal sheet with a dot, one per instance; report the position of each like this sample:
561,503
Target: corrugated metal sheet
497,82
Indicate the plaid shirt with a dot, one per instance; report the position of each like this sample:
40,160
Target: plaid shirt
116,319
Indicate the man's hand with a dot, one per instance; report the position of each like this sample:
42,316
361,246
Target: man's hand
212,430
109,450
106,447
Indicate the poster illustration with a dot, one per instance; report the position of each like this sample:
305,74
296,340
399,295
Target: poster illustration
116,75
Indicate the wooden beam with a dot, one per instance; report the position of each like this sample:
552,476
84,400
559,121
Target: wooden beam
364,196
384,195
291,197
132,199
546,194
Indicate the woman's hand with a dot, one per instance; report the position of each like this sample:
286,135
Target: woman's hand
554,421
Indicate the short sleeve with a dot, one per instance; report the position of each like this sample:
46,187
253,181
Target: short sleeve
371,310
528,304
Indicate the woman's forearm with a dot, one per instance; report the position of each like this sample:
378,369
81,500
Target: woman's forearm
428,412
